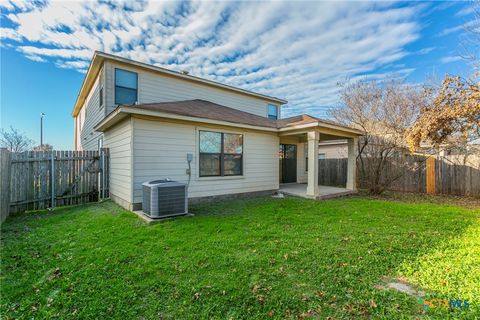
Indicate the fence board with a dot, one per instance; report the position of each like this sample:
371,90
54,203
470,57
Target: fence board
430,169
5,171
76,178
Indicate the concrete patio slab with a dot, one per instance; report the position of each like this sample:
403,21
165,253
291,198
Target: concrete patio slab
149,220
325,192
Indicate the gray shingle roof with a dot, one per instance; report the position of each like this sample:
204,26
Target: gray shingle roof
209,110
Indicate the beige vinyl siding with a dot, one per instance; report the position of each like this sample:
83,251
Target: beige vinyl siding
302,175
334,151
118,139
91,114
154,87
78,130
160,151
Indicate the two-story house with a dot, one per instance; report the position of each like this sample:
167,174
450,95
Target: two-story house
221,140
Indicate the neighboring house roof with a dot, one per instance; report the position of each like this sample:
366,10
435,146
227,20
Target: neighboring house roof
209,112
99,57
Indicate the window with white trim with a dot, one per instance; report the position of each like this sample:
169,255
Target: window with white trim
126,87
272,112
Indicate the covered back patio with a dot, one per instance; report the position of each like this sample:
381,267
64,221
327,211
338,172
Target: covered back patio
299,163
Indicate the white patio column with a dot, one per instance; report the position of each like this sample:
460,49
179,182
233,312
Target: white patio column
312,186
352,163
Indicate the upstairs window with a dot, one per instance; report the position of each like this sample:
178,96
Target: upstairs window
272,112
126,87
221,154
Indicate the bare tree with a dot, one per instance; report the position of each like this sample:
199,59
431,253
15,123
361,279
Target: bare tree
14,140
383,111
44,147
471,42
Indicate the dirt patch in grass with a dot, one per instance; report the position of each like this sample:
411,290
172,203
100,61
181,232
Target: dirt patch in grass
401,285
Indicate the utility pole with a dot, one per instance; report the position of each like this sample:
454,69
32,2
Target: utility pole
41,129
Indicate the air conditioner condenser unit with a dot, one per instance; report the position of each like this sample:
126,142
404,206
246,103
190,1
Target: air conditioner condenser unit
164,198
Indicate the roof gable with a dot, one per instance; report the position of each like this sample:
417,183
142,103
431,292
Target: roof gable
100,57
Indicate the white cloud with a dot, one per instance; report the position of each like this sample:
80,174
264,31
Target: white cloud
58,53
295,50
35,58
426,50
7,33
450,30
450,59
470,26
81,66
467,10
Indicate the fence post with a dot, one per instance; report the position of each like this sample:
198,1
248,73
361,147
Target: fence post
53,179
430,175
102,180
5,167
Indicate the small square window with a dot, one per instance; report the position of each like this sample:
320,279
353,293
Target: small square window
272,112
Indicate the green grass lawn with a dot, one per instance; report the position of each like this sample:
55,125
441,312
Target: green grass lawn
243,259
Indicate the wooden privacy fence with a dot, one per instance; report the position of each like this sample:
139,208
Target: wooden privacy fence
44,179
453,177
435,175
421,174
408,173
332,172
4,183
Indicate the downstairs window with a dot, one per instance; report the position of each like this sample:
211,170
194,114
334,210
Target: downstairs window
221,154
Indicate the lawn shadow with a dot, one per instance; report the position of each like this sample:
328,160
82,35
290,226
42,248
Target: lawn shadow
449,274
440,256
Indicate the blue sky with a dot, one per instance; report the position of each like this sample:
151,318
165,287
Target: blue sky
295,50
